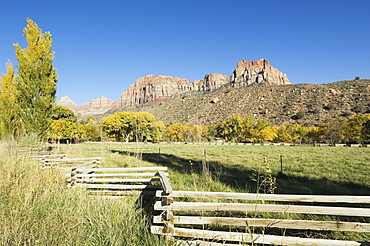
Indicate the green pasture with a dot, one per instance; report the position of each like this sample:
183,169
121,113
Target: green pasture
295,169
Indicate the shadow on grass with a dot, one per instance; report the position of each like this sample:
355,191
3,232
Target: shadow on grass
243,179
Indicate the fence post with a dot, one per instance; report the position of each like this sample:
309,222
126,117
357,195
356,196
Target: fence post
73,176
281,164
167,200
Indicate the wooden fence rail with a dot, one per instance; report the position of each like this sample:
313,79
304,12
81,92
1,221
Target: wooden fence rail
68,162
117,181
207,221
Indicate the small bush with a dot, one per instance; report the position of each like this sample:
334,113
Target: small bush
330,106
300,115
359,108
347,113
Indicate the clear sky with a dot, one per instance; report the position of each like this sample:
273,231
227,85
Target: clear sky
101,47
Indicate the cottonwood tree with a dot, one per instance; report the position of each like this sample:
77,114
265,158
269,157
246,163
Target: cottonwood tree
9,120
352,129
126,126
36,82
61,112
174,132
365,132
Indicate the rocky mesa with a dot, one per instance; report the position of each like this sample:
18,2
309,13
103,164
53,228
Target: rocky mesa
162,88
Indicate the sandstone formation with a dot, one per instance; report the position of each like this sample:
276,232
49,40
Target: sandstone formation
65,101
161,88
96,106
249,72
211,82
158,88
100,104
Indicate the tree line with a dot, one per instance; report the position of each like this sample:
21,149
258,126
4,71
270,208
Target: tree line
142,127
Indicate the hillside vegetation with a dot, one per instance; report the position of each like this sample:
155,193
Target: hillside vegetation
279,104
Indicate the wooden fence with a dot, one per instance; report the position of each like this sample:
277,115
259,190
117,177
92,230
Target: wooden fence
221,218
203,220
117,181
60,161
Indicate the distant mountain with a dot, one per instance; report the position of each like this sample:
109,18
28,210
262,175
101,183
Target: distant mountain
96,106
161,88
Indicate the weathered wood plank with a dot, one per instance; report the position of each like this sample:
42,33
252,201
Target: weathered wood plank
286,208
118,187
272,197
255,238
130,169
165,182
81,159
94,180
121,192
49,156
103,175
200,243
86,164
67,160
275,223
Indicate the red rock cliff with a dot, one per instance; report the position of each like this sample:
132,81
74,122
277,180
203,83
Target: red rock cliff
249,72
160,88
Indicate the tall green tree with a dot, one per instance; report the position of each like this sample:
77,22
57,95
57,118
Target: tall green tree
9,120
37,78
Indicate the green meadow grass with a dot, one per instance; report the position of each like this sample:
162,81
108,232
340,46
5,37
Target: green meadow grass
305,169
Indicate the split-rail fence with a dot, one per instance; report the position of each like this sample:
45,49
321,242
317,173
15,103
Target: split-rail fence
223,218
198,218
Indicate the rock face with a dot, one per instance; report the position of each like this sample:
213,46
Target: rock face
161,88
65,101
211,82
158,88
249,72
96,106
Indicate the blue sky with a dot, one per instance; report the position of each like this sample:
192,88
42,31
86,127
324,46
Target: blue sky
101,47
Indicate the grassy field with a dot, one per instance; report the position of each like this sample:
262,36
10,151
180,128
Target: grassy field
38,209
305,169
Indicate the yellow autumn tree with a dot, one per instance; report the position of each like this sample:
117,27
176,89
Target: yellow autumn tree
36,81
174,132
60,129
353,127
314,134
131,126
9,119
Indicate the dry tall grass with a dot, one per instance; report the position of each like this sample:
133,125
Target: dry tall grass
36,208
